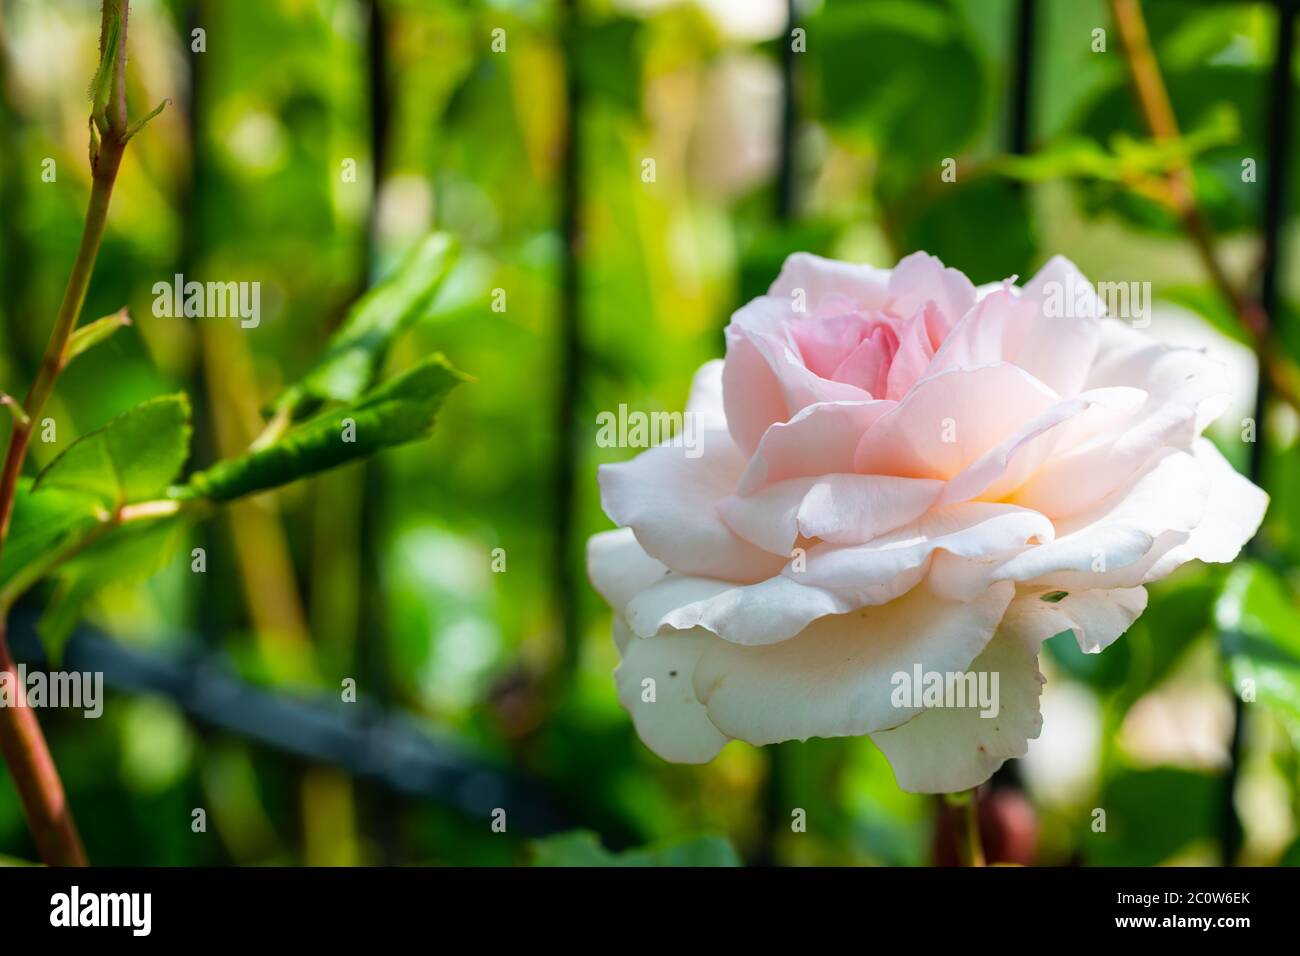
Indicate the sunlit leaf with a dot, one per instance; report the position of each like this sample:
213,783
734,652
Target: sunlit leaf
43,521
128,555
398,411
354,354
92,333
132,458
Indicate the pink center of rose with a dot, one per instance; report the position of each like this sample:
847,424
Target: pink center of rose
841,342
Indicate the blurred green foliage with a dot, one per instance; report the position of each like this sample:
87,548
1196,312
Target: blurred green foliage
383,571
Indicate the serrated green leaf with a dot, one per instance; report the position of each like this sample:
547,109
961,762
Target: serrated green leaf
130,554
1261,638
42,521
354,354
132,458
91,334
583,848
396,412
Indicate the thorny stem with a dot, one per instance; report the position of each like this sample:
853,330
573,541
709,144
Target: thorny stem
25,750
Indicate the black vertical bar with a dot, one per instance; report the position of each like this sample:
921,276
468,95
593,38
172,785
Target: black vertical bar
214,608
774,801
568,360
380,119
1275,194
1020,121
372,645
1277,168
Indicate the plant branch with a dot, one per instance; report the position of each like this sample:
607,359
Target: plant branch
965,809
37,571
26,753
34,773
1153,101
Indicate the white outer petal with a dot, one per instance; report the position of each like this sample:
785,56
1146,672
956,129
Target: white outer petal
943,750
674,724
835,678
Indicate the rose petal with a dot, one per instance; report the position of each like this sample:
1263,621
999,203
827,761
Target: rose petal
765,613
920,278
819,440
853,509
764,379
918,339
1096,617
705,401
1185,391
991,333
669,500
833,680
1107,543
880,569
845,509
865,287
949,420
1060,346
1232,516
943,750
1009,464
675,725
619,568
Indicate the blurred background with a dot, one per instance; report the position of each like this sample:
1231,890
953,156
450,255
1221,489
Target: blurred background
446,578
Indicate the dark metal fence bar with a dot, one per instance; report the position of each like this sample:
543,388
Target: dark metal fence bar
390,749
1277,169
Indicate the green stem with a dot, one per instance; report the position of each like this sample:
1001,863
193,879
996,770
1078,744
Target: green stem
974,844
55,357
25,750
966,818
39,570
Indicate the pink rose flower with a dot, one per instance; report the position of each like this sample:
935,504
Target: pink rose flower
899,475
